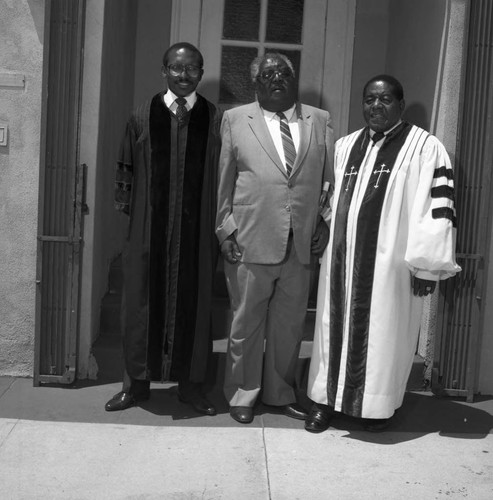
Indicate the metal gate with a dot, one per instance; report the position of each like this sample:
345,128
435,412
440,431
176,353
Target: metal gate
460,314
60,196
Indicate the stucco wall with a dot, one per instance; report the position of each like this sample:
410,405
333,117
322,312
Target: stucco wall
21,40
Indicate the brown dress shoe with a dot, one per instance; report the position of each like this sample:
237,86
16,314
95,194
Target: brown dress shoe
124,400
242,414
319,418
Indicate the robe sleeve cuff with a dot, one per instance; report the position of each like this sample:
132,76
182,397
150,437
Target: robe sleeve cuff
427,275
436,275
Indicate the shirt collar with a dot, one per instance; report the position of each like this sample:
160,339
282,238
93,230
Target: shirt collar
271,115
170,98
372,132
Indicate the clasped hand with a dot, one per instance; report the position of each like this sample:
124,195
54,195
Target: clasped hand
232,254
230,250
422,288
320,238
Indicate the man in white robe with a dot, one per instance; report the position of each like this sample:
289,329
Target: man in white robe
393,238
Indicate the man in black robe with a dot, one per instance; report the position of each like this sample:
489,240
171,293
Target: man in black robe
166,184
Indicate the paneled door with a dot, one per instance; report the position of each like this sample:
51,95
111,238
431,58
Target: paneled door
248,29
317,35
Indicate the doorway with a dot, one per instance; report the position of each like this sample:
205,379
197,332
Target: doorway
316,40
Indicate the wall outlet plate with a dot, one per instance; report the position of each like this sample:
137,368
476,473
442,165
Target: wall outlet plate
4,133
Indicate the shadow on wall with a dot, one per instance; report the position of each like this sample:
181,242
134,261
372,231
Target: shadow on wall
38,14
416,114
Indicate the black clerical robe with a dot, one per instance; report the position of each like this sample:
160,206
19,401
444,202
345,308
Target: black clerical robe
166,182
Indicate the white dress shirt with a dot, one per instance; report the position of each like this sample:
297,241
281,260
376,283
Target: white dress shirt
372,132
170,98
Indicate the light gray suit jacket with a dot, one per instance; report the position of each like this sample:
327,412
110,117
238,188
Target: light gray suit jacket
256,199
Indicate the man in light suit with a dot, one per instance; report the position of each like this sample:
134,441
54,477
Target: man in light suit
276,157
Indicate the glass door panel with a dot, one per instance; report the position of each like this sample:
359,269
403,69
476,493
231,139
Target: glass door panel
234,32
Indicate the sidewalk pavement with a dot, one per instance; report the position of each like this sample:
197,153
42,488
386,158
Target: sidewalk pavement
59,443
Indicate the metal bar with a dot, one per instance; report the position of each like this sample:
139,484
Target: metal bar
63,149
451,354
58,125
478,130
484,225
60,239
74,191
454,393
464,200
69,164
474,153
66,175
254,44
461,361
42,183
475,256
67,378
56,270
262,30
72,312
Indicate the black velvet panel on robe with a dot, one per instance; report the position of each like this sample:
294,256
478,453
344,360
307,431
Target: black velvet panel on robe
338,269
362,270
179,149
168,191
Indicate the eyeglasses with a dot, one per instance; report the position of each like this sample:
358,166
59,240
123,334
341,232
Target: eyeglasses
270,74
178,69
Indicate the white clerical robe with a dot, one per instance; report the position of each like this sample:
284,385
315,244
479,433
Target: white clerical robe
393,218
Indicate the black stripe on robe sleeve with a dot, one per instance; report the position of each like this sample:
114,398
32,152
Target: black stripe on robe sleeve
443,192
444,172
444,213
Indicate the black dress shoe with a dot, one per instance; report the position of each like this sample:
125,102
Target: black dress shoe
319,418
376,424
124,400
198,402
242,414
294,410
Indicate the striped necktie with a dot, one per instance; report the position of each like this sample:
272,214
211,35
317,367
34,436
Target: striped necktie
181,110
287,143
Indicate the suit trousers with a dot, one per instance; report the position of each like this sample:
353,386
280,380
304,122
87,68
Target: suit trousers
269,307
134,386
